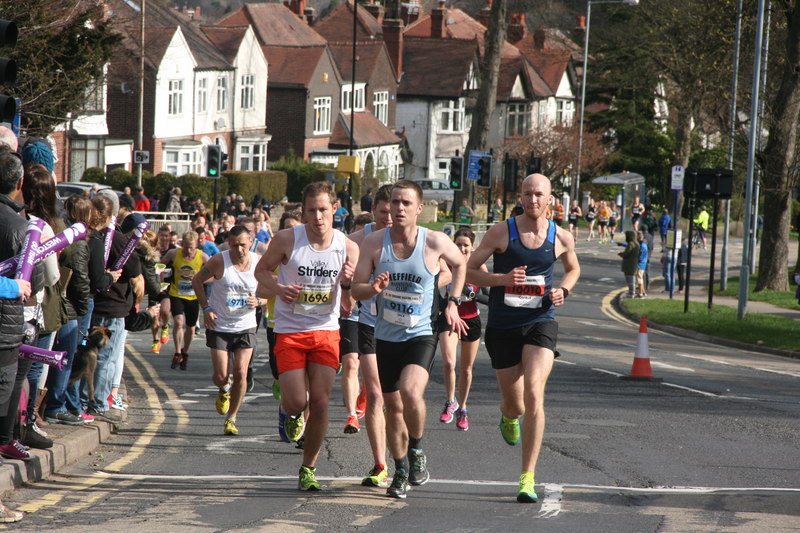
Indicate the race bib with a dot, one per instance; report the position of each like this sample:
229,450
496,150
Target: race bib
236,303
314,299
402,308
529,294
185,288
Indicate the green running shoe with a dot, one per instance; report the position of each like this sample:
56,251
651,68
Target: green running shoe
527,492
307,480
294,427
376,477
276,390
509,428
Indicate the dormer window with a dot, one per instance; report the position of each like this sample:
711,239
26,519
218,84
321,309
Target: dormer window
451,116
347,97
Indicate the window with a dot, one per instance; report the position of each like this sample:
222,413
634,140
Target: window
380,106
85,153
222,93
451,116
93,102
202,95
322,114
248,91
184,160
565,111
442,172
253,156
175,103
347,95
517,120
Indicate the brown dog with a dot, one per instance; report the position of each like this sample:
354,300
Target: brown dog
85,361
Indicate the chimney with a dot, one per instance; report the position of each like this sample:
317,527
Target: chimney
438,15
485,14
409,11
297,7
376,10
310,14
538,39
580,29
516,30
393,37
197,12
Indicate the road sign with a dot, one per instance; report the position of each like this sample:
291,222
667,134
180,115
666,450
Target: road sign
474,163
141,156
677,177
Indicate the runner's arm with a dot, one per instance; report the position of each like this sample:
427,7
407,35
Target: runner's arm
572,268
484,278
210,271
370,248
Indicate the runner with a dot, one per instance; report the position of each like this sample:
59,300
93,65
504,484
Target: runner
470,342
404,260
574,216
374,417
466,215
637,210
603,219
185,262
591,215
612,220
162,321
316,267
229,315
558,212
521,331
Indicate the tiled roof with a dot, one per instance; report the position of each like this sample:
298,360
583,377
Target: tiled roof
367,57
369,131
538,86
337,26
458,25
292,66
550,64
436,67
226,39
275,25
510,69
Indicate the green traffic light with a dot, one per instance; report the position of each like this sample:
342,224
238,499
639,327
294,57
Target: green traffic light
212,171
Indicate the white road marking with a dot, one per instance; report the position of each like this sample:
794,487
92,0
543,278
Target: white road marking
194,395
728,363
606,279
559,361
176,402
551,503
671,367
604,371
792,374
703,393
587,323
253,396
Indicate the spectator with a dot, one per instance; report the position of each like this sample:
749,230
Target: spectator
241,210
366,202
683,258
126,200
346,201
340,214
701,222
630,260
154,202
664,225
641,265
141,201
205,245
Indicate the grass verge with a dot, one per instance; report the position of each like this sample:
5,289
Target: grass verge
721,321
783,299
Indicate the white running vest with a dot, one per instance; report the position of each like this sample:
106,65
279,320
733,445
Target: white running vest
317,271
229,296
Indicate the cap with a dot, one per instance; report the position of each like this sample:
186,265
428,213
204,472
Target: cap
131,221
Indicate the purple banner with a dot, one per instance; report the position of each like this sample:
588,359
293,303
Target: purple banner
59,242
41,355
130,246
108,236
32,236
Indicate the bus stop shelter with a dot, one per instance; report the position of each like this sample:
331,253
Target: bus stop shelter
632,186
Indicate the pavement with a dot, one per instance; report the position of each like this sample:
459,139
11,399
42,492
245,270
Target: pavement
72,443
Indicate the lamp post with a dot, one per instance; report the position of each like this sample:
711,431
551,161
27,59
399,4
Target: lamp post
577,183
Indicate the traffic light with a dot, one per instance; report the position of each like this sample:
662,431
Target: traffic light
457,173
224,162
485,171
8,70
534,166
510,170
213,161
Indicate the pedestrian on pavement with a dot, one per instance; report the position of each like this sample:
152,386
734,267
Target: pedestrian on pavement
664,225
641,265
399,266
521,331
229,314
630,260
316,268
366,202
701,224
683,258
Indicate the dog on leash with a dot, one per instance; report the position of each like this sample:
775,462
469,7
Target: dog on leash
85,361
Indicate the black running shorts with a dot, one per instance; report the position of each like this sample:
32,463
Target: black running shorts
393,357
505,345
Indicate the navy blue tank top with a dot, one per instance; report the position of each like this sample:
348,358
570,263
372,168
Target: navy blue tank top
513,307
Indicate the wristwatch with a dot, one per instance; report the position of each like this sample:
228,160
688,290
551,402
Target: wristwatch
456,299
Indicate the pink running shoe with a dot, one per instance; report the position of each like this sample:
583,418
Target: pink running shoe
447,412
462,420
87,418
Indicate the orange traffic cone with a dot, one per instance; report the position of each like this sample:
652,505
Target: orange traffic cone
641,371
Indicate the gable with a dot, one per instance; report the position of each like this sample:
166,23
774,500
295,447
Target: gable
274,25
337,26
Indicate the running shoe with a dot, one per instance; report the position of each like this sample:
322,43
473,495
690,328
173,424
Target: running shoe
509,428
294,426
15,450
87,418
361,402
230,426
399,486
184,360
165,335
419,474
276,390
527,491
117,403
462,420
64,417
282,425
176,359
223,402
352,425
9,516
155,347
307,480
376,477
447,412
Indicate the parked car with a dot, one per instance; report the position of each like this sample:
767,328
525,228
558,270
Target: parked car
437,190
66,189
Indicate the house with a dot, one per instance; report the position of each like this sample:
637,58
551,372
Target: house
201,86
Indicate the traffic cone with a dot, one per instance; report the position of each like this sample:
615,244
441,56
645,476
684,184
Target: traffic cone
641,371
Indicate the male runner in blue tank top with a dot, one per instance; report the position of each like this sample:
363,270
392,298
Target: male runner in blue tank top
404,260
521,331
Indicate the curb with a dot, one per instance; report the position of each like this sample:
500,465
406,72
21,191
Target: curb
696,335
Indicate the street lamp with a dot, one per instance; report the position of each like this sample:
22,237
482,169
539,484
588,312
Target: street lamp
577,183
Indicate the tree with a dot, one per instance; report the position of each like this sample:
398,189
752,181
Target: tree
62,49
780,157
